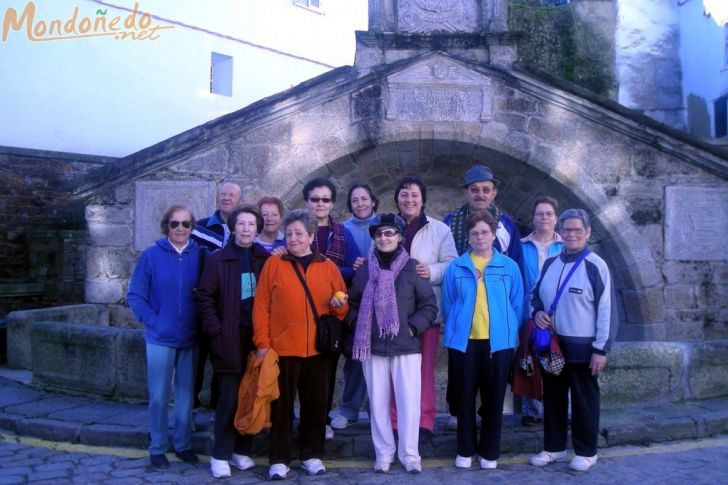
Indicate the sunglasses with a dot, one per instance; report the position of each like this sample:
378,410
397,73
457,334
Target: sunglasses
316,200
385,233
175,224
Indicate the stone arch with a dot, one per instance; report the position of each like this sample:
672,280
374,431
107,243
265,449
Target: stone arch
441,163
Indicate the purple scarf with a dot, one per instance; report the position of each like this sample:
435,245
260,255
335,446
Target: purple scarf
379,300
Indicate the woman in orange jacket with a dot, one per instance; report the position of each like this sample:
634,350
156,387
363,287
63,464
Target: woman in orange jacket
283,321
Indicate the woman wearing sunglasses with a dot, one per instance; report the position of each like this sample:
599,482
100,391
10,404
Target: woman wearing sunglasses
391,306
334,241
161,295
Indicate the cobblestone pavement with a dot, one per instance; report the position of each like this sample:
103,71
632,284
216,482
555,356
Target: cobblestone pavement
30,460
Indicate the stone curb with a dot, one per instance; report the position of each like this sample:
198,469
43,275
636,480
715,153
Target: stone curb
637,425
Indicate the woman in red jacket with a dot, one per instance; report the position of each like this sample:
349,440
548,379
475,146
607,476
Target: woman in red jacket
283,321
225,302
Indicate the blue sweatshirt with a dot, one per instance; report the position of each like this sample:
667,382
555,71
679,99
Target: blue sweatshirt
161,293
359,229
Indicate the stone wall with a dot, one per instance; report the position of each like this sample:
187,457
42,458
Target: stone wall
572,41
42,228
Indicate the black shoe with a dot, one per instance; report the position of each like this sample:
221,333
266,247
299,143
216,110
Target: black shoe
159,461
530,421
187,456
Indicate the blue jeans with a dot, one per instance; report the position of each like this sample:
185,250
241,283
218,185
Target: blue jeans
531,407
355,390
162,363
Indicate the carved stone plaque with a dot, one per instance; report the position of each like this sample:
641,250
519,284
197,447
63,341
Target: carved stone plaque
427,16
439,89
696,223
154,197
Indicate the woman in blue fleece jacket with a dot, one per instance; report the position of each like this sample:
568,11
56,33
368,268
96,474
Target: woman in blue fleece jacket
161,295
482,302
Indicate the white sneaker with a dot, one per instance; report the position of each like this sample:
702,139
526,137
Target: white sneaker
488,464
313,466
219,468
463,461
279,471
381,466
452,423
341,422
329,435
242,462
546,457
413,467
583,463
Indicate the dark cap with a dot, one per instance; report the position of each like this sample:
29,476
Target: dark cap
477,173
386,220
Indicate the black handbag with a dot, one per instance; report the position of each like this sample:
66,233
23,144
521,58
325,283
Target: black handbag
329,329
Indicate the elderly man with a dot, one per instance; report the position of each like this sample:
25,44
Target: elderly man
479,191
213,233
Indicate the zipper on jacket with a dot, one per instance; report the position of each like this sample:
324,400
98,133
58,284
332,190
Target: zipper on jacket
305,302
485,287
508,323
179,285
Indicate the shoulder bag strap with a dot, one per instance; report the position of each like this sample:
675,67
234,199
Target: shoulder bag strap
552,308
305,288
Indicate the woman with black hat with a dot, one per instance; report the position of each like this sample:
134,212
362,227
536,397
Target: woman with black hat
391,306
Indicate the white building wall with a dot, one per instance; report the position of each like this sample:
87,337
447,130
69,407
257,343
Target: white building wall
112,97
704,60
648,62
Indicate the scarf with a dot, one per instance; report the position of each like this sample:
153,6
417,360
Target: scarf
379,300
335,251
457,226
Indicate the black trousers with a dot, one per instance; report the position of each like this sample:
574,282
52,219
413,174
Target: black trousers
227,438
451,394
584,409
333,364
478,371
308,376
202,355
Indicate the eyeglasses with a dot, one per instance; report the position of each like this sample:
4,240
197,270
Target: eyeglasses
572,230
175,224
545,214
316,200
480,233
385,233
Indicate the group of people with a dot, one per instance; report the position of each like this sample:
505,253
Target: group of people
254,278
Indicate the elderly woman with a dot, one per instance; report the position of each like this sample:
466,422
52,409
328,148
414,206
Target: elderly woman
161,295
226,294
544,242
362,203
430,242
283,321
270,237
334,241
584,318
482,300
391,306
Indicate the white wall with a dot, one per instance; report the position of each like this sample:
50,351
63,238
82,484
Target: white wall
702,53
112,97
648,62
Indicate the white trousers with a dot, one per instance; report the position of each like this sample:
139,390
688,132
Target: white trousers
401,373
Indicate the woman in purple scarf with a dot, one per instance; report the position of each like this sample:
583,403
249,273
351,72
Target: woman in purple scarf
390,305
